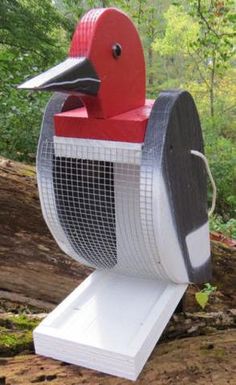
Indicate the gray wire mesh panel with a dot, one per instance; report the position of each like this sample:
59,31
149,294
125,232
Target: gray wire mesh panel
84,194
97,202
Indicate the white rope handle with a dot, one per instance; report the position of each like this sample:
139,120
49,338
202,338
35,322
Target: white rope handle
202,156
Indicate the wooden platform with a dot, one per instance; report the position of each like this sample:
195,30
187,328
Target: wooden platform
110,323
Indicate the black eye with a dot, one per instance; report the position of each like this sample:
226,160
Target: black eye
116,50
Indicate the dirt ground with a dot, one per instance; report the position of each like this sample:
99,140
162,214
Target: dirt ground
198,360
207,356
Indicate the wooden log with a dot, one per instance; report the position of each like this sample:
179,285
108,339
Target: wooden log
31,263
33,267
199,360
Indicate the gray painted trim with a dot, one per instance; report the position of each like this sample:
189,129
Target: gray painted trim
173,130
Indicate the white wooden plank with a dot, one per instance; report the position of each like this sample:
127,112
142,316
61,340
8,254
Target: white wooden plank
101,150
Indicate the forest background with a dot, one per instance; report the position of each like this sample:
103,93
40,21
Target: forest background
187,44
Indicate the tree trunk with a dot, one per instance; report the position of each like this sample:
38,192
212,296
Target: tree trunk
150,63
35,272
212,87
199,360
31,263
34,269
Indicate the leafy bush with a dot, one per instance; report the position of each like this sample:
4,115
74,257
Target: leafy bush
221,153
228,228
21,111
32,39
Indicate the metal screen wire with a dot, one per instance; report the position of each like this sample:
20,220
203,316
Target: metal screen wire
97,202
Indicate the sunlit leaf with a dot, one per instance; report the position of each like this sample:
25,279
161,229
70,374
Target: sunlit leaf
202,299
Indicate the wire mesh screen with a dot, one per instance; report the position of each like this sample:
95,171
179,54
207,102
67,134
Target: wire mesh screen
84,195
97,202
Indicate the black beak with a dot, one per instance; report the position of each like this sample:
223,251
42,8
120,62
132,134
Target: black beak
74,75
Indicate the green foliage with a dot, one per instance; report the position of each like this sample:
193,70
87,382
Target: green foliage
30,25
180,35
21,112
202,297
222,155
187,44
31,40
228,228
16,334
217,29
203,33
197,47
221,152
22,322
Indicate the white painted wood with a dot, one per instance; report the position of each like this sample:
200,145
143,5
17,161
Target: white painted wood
134,255
101,150
110,323
171,256
198,244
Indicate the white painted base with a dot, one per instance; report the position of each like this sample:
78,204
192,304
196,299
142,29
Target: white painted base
110,323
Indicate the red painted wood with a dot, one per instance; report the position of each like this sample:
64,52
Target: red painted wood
83,35
122,85
126,127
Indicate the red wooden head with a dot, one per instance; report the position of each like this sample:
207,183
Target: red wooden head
105,67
